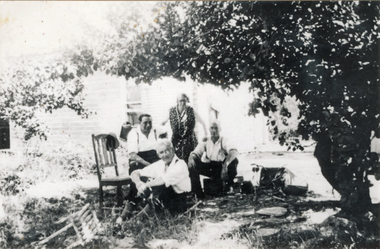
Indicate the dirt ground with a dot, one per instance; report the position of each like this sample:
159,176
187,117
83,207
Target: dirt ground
225,219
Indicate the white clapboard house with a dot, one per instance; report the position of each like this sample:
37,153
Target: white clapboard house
113,101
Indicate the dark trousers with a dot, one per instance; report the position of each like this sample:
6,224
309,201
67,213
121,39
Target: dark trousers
213,170
162,197
149,156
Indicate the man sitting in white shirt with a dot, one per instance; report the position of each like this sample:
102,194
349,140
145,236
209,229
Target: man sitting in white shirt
215,158
141,144
168,182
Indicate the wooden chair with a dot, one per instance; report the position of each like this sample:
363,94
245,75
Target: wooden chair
105,156
85,223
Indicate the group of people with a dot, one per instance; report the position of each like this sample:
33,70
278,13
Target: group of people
163,172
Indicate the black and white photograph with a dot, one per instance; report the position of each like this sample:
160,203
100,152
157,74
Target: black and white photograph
189,124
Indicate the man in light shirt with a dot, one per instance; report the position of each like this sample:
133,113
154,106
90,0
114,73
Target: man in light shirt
215,158
168,182
141,143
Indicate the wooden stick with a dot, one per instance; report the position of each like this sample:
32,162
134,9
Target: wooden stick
55,234
77,232
190,209
91,225
95,217
97,223
77,243
80,213
87,218
145,211
193,207
77,223
61,220
84,216
115,208
278,198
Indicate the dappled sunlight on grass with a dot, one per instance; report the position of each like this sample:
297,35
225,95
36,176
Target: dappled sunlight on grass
318,217
210,235
40,189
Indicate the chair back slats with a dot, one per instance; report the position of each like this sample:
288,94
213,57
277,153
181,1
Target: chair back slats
114,162
96,152
107,158
105,153
99,153
103,157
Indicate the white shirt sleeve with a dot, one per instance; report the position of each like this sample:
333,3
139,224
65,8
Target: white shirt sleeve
132,142
153,170
201,147
227,145
176,173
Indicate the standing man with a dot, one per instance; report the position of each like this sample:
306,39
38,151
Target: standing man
215,158
168,180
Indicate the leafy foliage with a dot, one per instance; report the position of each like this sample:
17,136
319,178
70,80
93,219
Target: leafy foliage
33,85
323,53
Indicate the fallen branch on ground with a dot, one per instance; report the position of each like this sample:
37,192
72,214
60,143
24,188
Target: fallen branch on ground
190,209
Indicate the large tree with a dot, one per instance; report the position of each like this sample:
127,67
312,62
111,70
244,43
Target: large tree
326,54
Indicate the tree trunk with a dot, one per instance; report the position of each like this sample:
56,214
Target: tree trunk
323,152
355,199
350,181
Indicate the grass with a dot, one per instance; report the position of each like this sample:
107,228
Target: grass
161,226
29,218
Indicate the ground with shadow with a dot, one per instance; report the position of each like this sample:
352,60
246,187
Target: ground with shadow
235,219
227,221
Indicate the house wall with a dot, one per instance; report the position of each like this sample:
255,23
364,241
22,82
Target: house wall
246,131
161,95
105,96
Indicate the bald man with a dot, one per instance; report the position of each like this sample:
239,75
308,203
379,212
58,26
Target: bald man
215,158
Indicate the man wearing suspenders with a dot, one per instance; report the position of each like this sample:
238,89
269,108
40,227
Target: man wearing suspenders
141,144
215,158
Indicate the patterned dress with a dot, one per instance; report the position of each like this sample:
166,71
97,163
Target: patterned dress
183,138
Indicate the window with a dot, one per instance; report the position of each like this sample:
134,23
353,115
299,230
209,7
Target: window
133,105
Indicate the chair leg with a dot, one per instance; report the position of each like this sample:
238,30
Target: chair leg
119,196
101,199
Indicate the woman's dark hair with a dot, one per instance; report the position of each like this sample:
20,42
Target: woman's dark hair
185,96
144,115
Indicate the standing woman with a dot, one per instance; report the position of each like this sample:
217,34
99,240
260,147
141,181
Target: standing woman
182,119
